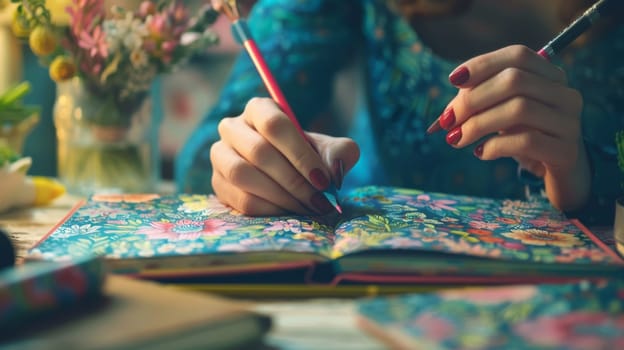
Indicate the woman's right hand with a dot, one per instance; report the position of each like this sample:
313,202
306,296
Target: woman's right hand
263,166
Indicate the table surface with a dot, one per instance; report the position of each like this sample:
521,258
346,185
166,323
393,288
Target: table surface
298,324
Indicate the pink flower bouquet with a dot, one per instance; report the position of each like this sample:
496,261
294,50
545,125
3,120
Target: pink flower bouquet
116,52
104,60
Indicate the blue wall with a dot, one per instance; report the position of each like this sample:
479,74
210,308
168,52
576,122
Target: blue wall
41,142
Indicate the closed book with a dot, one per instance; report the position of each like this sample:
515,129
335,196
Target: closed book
135,314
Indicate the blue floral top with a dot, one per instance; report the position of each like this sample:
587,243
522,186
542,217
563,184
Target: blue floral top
306,43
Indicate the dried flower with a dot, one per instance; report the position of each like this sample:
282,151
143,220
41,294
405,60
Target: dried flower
147,8
117,53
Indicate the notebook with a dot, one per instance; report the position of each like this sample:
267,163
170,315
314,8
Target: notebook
581,315
137,314
385,235
38,289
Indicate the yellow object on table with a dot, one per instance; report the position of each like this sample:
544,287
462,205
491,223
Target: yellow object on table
17,190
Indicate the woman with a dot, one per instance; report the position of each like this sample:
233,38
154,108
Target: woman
502,105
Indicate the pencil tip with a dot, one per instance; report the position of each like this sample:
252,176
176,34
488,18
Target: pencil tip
332,197
435,126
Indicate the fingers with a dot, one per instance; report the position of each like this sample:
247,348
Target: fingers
340,153
264,116
247,189
521,99
530,146
261,155
492,78
249,162
264,157
508,84
245,202
514,114
481,68
524,102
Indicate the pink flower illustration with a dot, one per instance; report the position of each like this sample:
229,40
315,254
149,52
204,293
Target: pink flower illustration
437,204
575,330
513,245
482,225
186,229
425,201
427,234
550,224
463,246
290,225
433,327
403,242
574,254
492,295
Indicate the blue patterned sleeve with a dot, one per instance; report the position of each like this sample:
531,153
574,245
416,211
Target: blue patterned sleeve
305,43
597,72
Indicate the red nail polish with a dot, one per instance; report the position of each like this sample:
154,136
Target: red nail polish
459,76
318,179
447,119
435,126
453,137
478,151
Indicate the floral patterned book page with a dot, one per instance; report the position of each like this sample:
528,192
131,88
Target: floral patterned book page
566,316
198,231
152,226
395,219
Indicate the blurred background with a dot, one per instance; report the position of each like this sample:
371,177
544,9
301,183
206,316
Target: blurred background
181,98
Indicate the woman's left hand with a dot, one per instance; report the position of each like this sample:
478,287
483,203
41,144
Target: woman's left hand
522,103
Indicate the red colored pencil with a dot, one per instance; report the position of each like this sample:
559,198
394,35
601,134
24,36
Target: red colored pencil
243,35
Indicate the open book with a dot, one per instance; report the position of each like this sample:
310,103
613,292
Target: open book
566,316
386,235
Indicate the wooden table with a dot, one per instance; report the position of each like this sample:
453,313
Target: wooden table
298,324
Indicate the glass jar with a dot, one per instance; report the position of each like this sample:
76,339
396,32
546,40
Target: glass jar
104,147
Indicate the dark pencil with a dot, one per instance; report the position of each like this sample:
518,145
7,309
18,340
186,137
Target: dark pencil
576,28
580,25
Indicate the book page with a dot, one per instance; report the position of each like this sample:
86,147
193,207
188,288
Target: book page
393,219
126,227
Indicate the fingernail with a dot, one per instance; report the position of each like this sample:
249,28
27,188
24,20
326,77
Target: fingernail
318,179
320,203
338,170
459,76
447,119
453,137
478,151
435,126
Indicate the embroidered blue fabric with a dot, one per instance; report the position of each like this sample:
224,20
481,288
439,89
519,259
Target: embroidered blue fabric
306,43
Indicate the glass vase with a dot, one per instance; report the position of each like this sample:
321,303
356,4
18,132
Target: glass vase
104,147
618,225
